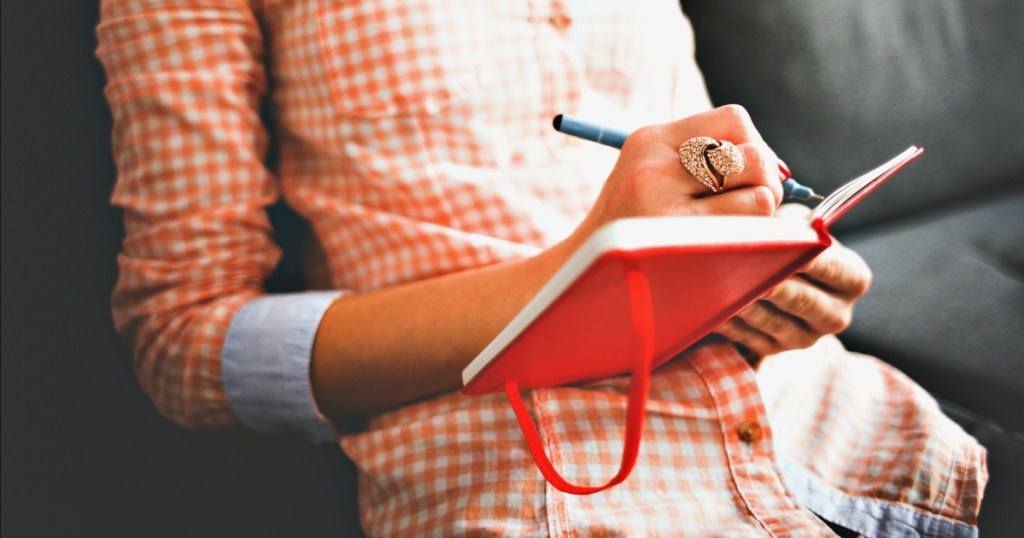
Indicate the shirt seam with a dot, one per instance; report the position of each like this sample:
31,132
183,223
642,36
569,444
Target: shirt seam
726,446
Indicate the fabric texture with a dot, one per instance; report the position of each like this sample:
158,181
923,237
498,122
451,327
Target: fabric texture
415,139
830,423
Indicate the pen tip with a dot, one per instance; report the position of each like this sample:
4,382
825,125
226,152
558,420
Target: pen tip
817,197
557,122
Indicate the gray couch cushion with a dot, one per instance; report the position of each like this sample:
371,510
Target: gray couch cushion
837,87
947,304
1000,510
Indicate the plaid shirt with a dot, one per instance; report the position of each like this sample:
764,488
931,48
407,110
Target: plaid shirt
415,138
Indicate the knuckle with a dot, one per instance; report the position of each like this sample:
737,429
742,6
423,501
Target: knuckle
732,331
774,323
841,320
832,325
754,157
858,274
776,294
835,321
726,326
801,301
763,201
765,319
805,340
780,289
639,142
830,270
737,113
863,282
642,137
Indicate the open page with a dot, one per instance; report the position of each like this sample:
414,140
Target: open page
845,197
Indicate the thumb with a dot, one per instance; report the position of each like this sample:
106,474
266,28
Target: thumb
756,200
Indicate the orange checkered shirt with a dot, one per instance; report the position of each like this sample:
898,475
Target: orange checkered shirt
414,136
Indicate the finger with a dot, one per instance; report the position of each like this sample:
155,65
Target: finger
728,122
787,331
793,211
760,167
758,343
820,310
839,270
743,201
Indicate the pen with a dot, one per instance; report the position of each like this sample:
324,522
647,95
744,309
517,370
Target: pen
615,138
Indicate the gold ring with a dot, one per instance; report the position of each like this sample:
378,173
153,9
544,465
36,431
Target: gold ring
710,161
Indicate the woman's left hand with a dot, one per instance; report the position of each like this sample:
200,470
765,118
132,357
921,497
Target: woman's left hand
816,301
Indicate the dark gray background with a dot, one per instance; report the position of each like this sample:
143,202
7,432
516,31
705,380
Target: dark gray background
84,453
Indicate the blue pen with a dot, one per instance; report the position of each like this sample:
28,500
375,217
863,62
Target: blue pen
616,138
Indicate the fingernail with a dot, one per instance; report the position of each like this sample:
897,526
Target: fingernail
785,170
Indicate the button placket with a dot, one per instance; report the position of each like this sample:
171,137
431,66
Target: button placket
746,434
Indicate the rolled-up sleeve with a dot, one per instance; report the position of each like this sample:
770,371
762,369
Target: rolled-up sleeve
185,81
265,364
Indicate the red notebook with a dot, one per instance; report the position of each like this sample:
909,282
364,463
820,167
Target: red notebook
640,291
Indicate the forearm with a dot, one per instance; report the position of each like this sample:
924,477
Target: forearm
376,350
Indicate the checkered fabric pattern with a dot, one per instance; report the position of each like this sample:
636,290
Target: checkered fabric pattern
415,138
458,464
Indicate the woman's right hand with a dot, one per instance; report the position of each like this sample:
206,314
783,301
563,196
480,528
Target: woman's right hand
649,180
432,328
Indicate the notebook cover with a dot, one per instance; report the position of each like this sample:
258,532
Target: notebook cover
586,333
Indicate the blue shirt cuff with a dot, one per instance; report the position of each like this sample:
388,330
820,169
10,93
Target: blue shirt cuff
265,364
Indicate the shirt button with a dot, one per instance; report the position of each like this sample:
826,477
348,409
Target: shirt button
749,431
560,21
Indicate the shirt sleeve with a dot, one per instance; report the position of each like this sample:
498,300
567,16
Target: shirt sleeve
265,364
184,82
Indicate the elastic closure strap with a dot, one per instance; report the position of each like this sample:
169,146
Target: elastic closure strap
642,312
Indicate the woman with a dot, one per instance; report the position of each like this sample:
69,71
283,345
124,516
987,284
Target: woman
415,138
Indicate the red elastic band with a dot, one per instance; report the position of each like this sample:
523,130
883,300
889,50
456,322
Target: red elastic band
643,326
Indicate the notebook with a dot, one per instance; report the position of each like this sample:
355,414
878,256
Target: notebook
640,291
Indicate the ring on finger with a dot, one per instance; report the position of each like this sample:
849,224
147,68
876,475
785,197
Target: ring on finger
711,161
